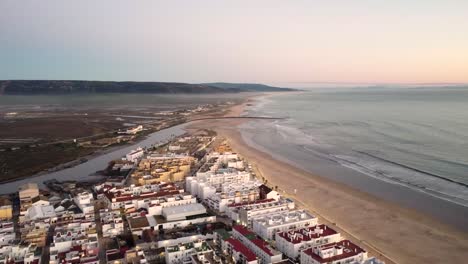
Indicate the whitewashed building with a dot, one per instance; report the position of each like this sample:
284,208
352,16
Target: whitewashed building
291,243
265,253
334,253
266,226
182,253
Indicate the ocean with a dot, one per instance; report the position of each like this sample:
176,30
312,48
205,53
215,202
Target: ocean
412,139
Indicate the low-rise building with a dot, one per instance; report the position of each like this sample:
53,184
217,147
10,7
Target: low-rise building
291,243
243,213
30,254
233,194
136,198
239,252
135,154
111,222
84,201
140,223
81,253
26,193
339,252
268,193
211,182
182,212
28,190
40,212
267,226
65,238
265,253
6,208
7,233
182,253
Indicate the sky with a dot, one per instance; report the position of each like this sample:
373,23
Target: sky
264,41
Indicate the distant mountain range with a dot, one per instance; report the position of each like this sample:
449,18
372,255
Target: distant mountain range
40,87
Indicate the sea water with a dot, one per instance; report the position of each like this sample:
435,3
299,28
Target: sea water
416,138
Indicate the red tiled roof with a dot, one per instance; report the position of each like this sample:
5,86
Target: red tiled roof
239,247
263,245
260,243
242,230
349,250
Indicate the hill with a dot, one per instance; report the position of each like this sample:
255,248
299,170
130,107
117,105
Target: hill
36,87
249,87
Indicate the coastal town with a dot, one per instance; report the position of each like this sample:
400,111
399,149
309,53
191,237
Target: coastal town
192,199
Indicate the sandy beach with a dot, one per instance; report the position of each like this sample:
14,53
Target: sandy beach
386,230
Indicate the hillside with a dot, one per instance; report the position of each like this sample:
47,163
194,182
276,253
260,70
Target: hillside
35,87
249,87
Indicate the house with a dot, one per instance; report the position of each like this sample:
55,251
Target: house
6,209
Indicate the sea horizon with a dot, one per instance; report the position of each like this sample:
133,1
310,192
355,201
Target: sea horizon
410,141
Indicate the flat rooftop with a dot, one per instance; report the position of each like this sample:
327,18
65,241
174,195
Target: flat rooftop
284,217
306,234
334,251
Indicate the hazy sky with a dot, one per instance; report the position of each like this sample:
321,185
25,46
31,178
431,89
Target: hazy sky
237,41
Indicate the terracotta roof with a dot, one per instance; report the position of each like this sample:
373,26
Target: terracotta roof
239,247
260,243
349,250
242,230
263,245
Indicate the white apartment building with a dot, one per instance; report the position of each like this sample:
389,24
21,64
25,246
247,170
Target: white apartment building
135,154
112,223
244,212
233,194
156,206
182,253
84,201
66,238
266,226
334,253
210,183
215,161
239,252
291,243
265,253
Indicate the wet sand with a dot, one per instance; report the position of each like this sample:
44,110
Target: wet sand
387,230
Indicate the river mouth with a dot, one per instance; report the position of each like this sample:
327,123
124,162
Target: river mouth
86,171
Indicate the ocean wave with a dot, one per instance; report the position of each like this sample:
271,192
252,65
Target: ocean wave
296,135
397,173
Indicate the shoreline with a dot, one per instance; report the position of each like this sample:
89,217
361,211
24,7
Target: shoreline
385,229
78,161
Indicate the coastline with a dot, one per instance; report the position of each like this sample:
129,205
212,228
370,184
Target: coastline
387,230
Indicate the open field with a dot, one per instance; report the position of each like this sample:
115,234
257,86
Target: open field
37,133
